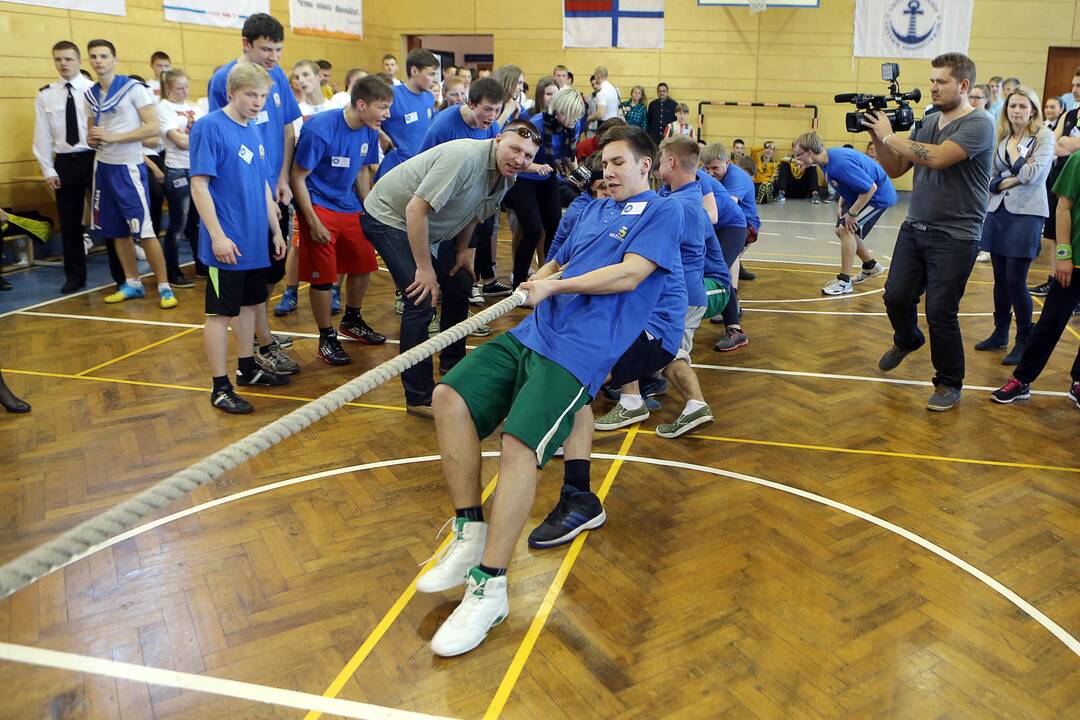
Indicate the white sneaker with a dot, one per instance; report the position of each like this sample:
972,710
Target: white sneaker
484,606
865,274
465,549
837,287
983,256
476,295
140,254
88,243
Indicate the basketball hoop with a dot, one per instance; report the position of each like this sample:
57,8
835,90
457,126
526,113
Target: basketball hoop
757,6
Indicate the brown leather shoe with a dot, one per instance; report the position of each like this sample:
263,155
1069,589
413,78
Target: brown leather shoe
423,411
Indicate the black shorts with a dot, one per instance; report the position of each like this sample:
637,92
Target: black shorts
229,290
866,219
644,358
276,272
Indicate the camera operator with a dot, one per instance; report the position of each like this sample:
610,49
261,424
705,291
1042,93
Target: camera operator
936,246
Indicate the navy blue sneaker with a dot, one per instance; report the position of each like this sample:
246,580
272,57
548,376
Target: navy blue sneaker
575,513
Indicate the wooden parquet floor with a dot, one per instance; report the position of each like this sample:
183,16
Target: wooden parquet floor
704,596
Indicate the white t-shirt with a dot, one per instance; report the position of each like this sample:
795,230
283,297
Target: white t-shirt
306,111
179,117
608,96
120,114
340,100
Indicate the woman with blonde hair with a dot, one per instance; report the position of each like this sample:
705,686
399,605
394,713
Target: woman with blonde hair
534,197
454,92
1014,220
176,116
635,110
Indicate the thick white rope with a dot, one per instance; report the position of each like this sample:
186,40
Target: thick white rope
39,562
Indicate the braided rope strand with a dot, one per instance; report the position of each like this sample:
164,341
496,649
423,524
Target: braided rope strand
81,540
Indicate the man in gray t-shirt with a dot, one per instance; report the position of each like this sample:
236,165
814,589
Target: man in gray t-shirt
420,217
937,244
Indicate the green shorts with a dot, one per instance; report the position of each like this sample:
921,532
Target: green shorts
718,295
504,380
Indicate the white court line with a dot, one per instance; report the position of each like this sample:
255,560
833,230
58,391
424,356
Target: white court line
813,222
817,299
770,234
804,237
852,312
1012,597
834,242
204,684
860,378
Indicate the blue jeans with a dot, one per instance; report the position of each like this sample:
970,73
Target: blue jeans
183,221
930,261
393,246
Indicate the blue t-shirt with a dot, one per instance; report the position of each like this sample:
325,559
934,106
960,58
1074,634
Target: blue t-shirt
668,317
560,149
586,334
234,158
728,213
715,265
410,118
449,125
566,225
741,185
852,173
696,227
281,109
335,154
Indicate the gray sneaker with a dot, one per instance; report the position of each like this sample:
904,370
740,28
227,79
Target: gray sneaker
275,361
685,423
865,274
892,358
944,398
620,417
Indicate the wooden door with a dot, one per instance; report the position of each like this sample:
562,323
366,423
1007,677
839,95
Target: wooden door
1061,64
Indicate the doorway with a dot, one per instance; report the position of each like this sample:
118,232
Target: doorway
1061,64
476,52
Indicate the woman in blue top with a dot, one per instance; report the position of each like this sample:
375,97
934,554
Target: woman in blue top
634,110
1016,214
535,195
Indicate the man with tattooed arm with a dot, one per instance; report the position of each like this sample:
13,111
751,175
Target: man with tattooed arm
951,152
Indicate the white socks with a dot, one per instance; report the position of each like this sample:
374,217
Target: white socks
693,406
631,402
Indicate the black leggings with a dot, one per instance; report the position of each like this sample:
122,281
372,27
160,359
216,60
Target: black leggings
484,264
1010,290
536,203
1056,313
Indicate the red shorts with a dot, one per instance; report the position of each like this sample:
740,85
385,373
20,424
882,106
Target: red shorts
348,252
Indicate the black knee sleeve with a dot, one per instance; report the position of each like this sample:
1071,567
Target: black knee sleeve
323,286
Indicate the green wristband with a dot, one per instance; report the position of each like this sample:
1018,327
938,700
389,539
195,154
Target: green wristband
1064,252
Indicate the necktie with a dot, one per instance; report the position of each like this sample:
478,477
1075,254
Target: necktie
72,120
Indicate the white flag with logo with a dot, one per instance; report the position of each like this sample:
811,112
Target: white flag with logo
911,28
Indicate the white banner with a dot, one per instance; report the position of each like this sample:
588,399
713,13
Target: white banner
219,13
613,23
341,19
108,7
911,28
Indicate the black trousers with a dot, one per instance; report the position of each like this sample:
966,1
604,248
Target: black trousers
933,262
76,171
539,211
1056,313
157,192
484,264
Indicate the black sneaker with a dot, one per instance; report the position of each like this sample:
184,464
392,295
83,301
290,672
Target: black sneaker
576,512
226,400
1076,310
745,274
261,377
496,289
181,281
275,361
892,358
1074,393
653,386
1041,290
732,339
1012,390
360,331
331,352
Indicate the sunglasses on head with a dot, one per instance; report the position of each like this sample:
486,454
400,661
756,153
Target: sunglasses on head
526,133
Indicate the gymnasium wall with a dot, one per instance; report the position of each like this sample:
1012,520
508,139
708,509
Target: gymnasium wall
710,53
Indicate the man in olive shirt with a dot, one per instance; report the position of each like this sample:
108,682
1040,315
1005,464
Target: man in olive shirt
420,216
937,244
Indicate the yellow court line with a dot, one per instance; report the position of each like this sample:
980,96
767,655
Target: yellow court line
886,453
788,255
525,649
1067,325
189,388
133,353
388,619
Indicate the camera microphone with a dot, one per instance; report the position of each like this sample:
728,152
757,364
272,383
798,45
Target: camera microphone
914,96
845,97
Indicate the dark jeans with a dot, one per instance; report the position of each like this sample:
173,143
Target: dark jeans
539,211
484,265
157,191
76,171
393,246
1056,313
930,261
183,222
1010,291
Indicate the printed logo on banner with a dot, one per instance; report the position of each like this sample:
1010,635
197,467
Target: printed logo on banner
913,23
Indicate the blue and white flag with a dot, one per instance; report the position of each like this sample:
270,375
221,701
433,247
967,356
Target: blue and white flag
911,28
613,23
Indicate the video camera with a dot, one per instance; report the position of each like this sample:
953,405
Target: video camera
901,117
